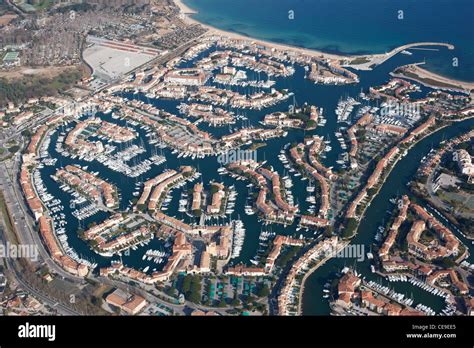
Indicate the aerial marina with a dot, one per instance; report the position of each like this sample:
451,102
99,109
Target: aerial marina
140,160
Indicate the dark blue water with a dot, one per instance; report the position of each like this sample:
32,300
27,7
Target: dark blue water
305,91
395,185
353,26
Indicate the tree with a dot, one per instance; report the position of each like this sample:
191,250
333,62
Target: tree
235,301
193,286
350,226
311,124
446,262
371,191
14,148
26,133
186,285
171,291
263,290
222,302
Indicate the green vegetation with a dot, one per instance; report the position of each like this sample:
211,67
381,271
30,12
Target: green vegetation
360,60
6,216
371,191
214,188
43,5
235,301
350,228
14,148
311,124
222,302
263,290
21,90
191,288
287,256
445,262
26,133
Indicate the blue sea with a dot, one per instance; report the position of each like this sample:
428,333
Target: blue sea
354,26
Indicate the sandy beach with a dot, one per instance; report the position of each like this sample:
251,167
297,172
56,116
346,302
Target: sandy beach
424,76
183,8
186,12
371,60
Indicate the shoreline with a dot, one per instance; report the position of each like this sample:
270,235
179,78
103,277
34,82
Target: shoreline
185,13
372,60
426,78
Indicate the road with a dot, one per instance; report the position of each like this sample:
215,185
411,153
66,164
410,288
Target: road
25,226
11,266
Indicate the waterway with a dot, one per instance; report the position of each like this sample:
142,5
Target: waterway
323,96
395,185
353,26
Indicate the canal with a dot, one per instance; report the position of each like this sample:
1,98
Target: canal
395,185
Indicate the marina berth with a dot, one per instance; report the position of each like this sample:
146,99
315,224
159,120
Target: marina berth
122,242
278,244
392,234
214,116
149,184
361,122
36,139
297,153
32,199
164,186
288,295
94,231
183,178
281,119
216,200
370,298
313,221
372,181
100,191
70,265
181,250
276,210
462,287
197,193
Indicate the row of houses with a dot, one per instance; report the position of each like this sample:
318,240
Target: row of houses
288,292
297,153
94,187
